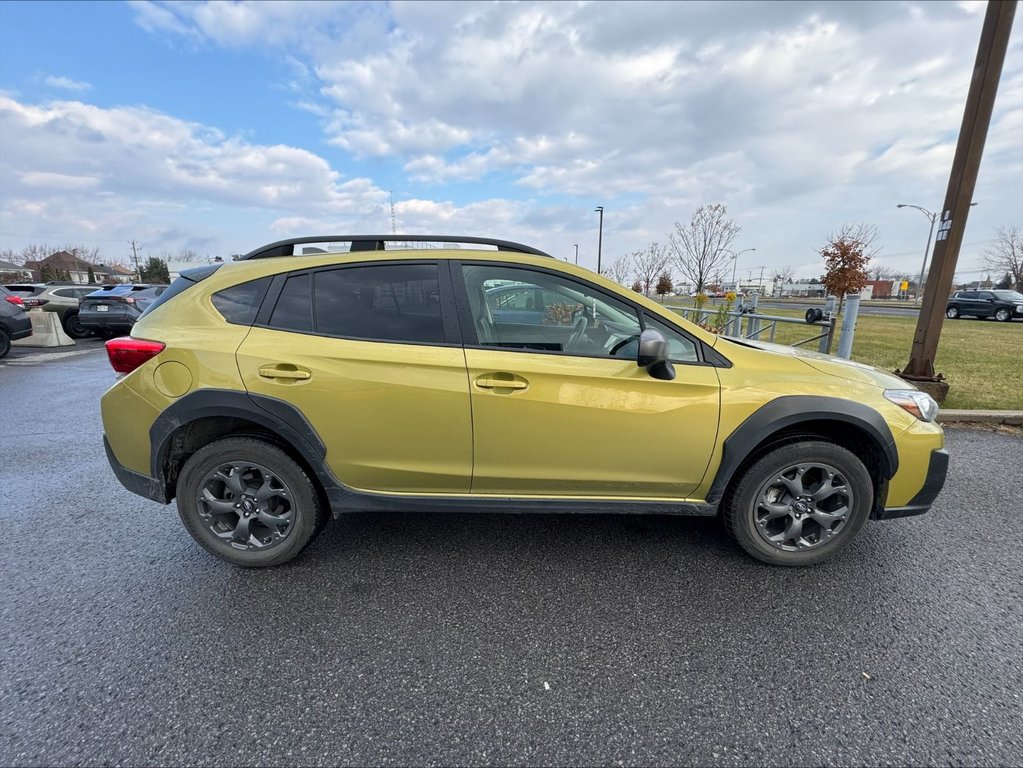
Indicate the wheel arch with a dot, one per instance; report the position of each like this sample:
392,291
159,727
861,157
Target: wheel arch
207,415
852,425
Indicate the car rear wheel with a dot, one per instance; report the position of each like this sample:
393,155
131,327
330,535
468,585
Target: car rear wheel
249,503
800,504
1003,315
5,343
73,326
952,313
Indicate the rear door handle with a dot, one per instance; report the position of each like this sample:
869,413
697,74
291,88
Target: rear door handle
490,382
290,372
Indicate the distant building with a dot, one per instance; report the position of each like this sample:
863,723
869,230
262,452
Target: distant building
66,266
881,289
12,272
808,289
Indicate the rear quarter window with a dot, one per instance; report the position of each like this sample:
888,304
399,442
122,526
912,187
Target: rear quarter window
238,304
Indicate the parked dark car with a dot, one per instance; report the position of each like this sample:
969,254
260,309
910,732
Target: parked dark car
14,321
113,310
60,297
1001,305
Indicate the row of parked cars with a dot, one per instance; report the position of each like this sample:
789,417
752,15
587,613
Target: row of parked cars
83,310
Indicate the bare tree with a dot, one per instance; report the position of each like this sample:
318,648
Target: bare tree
700,247
619,270
784,274
846,256
1006,255
881,272
649,264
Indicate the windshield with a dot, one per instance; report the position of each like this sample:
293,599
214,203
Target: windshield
1009,295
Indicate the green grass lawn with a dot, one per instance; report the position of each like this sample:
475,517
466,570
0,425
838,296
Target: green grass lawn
982,359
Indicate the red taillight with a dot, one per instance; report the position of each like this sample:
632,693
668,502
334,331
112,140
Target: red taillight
128,300
126,354
16,300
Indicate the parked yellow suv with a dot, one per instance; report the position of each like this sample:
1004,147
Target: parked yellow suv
267,393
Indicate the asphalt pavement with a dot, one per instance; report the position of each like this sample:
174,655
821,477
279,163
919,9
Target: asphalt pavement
474,639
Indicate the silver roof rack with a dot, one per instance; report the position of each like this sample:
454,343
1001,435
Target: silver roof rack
377,243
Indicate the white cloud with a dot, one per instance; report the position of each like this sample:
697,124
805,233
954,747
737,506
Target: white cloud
66,83
800,116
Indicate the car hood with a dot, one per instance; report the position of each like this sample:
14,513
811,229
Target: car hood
849,370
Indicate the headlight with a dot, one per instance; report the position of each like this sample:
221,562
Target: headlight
920,404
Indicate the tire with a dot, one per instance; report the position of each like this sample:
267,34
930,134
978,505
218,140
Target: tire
5,343
1003,315
773,478
73,326
813,315
952,313
285,512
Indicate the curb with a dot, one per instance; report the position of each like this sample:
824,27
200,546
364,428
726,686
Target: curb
981,417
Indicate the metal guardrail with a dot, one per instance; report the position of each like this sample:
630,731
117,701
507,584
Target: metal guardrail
751,325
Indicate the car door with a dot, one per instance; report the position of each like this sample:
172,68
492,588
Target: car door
561,408
371,358
985,304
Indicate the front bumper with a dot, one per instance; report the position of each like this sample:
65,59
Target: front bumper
937,470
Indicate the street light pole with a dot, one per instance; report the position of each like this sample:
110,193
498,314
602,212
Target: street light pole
576,253
735,262
600,234
932,217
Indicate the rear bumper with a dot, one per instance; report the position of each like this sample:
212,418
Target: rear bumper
18,327
937,470
143,485
96,321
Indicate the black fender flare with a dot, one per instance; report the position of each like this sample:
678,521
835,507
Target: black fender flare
280,417
791,411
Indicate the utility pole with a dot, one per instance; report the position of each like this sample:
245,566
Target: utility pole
980,101
600,234
576,253
135,258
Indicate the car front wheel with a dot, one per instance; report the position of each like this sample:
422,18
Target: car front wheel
249,503
952,313
800,504
1003,315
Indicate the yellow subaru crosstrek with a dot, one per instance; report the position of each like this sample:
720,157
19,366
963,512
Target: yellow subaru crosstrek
269,392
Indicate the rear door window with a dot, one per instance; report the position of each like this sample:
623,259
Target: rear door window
380,302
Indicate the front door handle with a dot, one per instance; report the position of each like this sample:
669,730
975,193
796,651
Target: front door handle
490,381
289,372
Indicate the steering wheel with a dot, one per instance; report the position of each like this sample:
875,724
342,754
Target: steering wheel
581,324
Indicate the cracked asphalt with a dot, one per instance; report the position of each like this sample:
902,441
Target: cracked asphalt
474,639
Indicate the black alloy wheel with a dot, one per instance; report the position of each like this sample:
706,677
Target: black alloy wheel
800,503
247,502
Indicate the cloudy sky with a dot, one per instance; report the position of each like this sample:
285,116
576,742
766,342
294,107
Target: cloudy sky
220,126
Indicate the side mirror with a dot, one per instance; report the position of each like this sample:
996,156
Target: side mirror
653,355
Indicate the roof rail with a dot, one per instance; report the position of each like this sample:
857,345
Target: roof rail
376,243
